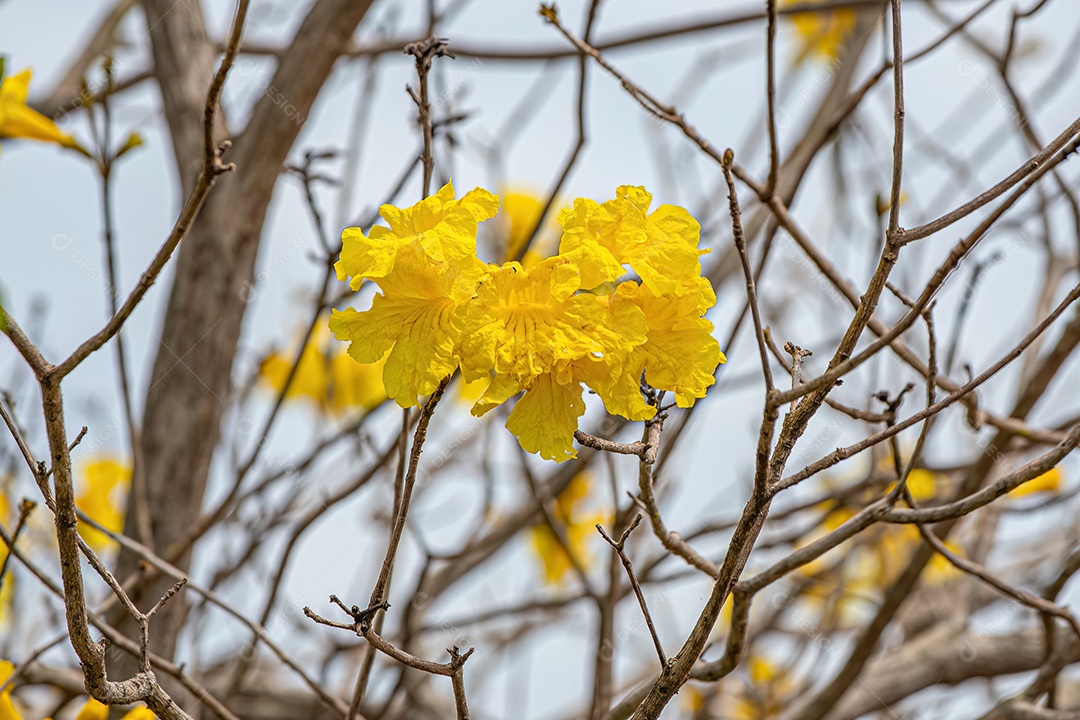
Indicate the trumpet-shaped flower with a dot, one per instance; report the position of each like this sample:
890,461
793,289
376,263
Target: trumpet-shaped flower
661,247
679,353
414,320
543,328
443,228
538,334
524,322
18,120
545,417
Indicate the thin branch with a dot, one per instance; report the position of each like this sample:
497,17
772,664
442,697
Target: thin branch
620,549
898,121
212,167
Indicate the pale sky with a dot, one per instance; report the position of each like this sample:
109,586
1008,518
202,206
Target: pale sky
52,272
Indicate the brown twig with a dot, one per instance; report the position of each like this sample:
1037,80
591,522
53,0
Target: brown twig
425,51
639,448
620,549
25,508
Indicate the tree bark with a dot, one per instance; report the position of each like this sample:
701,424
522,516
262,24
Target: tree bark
214,280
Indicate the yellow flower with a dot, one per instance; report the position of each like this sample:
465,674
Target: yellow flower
7,707
522,322
764,693
545,417
17,120
1049,481
93,710
413,319
541,328
679,353
821,33
6,517
312,379
939,570
538,334
355,385
579,528
440,227
140,713
693,700
333,380
887,552
922,484
103,497
661,247
520,212
470,391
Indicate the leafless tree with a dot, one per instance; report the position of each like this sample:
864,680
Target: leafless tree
784,553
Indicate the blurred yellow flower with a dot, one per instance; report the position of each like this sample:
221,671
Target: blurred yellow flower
17,120
518,214
93,710
764,693
1049,482
355,385
6,518
579,528
103,497
922,484
7,707
326,376
875,557
822,33
693,700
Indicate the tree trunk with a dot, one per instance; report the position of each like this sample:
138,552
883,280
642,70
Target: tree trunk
191,382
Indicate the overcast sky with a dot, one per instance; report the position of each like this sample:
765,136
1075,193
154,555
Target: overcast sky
52,274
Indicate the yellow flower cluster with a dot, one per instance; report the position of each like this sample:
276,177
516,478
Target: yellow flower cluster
91,710
623,297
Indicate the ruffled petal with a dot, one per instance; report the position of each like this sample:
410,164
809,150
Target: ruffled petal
545,417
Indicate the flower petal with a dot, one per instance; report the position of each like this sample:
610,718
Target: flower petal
545,417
